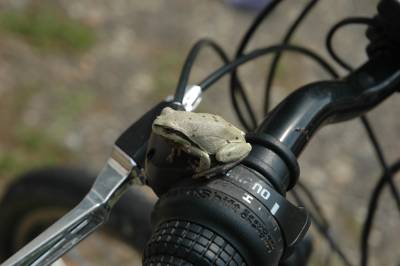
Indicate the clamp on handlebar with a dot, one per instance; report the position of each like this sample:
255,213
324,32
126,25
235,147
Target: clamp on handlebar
192,98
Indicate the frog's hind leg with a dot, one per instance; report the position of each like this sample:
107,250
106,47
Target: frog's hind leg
233,152
216,170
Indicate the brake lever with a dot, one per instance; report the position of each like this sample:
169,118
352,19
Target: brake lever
88,215
123,168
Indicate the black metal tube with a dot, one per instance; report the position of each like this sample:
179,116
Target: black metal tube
299,116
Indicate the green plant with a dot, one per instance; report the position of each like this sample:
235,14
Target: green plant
46,27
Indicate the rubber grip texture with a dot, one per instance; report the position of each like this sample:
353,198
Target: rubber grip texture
178,242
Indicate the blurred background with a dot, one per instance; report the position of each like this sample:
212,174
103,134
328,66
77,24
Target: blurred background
74,74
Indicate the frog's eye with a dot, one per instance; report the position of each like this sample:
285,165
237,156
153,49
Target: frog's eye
150,154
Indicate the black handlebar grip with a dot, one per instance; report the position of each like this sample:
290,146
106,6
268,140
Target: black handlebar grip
215,222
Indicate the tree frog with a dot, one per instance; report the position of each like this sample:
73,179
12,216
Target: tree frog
210,138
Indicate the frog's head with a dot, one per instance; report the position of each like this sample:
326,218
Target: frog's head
166,162
169,125
166,120
167,111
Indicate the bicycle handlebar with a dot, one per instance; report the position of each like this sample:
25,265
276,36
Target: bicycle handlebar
242,217
296,118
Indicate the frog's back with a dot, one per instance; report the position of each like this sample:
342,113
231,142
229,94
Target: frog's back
210,132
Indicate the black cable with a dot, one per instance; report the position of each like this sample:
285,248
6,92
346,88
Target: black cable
322,222
387,177
254,26
275,60
219,73
314,203
381,159
374,142
335,28
235,84
189,62
372,207
370,133
324,232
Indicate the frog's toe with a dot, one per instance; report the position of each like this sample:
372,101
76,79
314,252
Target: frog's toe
216,170
204,163
233,152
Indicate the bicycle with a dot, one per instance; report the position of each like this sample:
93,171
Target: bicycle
241,217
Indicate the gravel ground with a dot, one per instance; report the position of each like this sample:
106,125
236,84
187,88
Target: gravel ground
83,101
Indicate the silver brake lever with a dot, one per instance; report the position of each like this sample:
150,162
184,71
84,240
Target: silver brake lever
120,171
90,213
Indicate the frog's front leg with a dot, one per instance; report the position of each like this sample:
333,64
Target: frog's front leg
203,157
233,152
